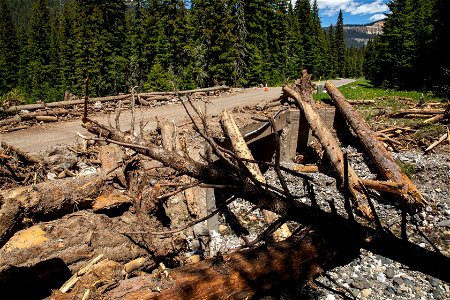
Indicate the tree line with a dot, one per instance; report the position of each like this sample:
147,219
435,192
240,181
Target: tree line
413,52
51,46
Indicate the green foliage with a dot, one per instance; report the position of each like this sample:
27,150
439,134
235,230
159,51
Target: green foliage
8,49
13,97
413,51
51,46
159,79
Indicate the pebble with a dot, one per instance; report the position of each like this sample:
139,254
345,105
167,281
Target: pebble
365,293
330,297
444,223
398,281
390,273
381,277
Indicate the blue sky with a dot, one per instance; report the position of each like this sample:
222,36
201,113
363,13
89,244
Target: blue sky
354,11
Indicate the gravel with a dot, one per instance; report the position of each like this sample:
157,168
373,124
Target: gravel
371,276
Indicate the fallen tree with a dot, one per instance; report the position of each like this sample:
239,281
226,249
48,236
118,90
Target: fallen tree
380,156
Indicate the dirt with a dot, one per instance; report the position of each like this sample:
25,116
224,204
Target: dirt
41,137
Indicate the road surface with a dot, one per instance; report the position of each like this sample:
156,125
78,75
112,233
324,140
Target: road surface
42,137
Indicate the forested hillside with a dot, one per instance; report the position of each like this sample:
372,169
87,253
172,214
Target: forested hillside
50,46
413,51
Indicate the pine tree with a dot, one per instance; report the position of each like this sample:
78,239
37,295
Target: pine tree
39,43
257,41
8,50
99,48
295,55
339,41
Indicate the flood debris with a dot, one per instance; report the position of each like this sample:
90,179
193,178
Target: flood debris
123,214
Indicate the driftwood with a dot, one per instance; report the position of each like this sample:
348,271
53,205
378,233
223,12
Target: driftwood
414,111
436,143
381,157
47,200
211,89
241,149
240,275
45,255
329,143
329,225
434,119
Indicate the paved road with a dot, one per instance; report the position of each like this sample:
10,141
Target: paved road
39,138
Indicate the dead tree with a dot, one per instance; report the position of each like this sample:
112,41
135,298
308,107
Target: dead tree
382,158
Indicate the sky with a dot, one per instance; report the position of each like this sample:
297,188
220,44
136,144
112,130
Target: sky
354,11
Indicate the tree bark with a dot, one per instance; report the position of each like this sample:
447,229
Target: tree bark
329,143
241,149
382,158
240,275
46,201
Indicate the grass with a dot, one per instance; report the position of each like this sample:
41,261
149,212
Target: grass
388,101
361,89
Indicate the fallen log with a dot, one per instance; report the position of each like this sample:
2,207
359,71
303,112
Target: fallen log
241,149
329,225
47,112
211,89
44,256
44,105
12,120
240,275
381,157
47,200
329,143
46,119
436,143
434,119
382,186
415,111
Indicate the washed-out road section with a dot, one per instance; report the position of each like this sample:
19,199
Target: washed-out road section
40,138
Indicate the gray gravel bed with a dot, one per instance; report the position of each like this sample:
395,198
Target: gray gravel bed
370,276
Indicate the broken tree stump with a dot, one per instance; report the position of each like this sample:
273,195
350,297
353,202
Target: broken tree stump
381,157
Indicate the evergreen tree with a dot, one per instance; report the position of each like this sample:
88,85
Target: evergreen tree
295,55
307,31
8,50
439,58
339,45
39,44
99,47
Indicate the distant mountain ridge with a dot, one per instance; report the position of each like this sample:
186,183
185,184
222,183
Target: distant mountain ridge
359,35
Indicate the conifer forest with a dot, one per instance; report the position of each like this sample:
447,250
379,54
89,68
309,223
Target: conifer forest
49,47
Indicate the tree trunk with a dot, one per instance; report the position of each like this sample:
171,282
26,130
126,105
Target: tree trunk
241,149
47,200
382,158
329,143
240,275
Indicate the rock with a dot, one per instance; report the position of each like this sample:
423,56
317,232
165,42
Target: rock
390,290
381,277
397,281
390,273
444,223
365,293
409,282
201,229
434,282
437,294
330,297
360,283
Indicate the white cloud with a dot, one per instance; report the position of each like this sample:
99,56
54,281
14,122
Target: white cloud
332,7
377,17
